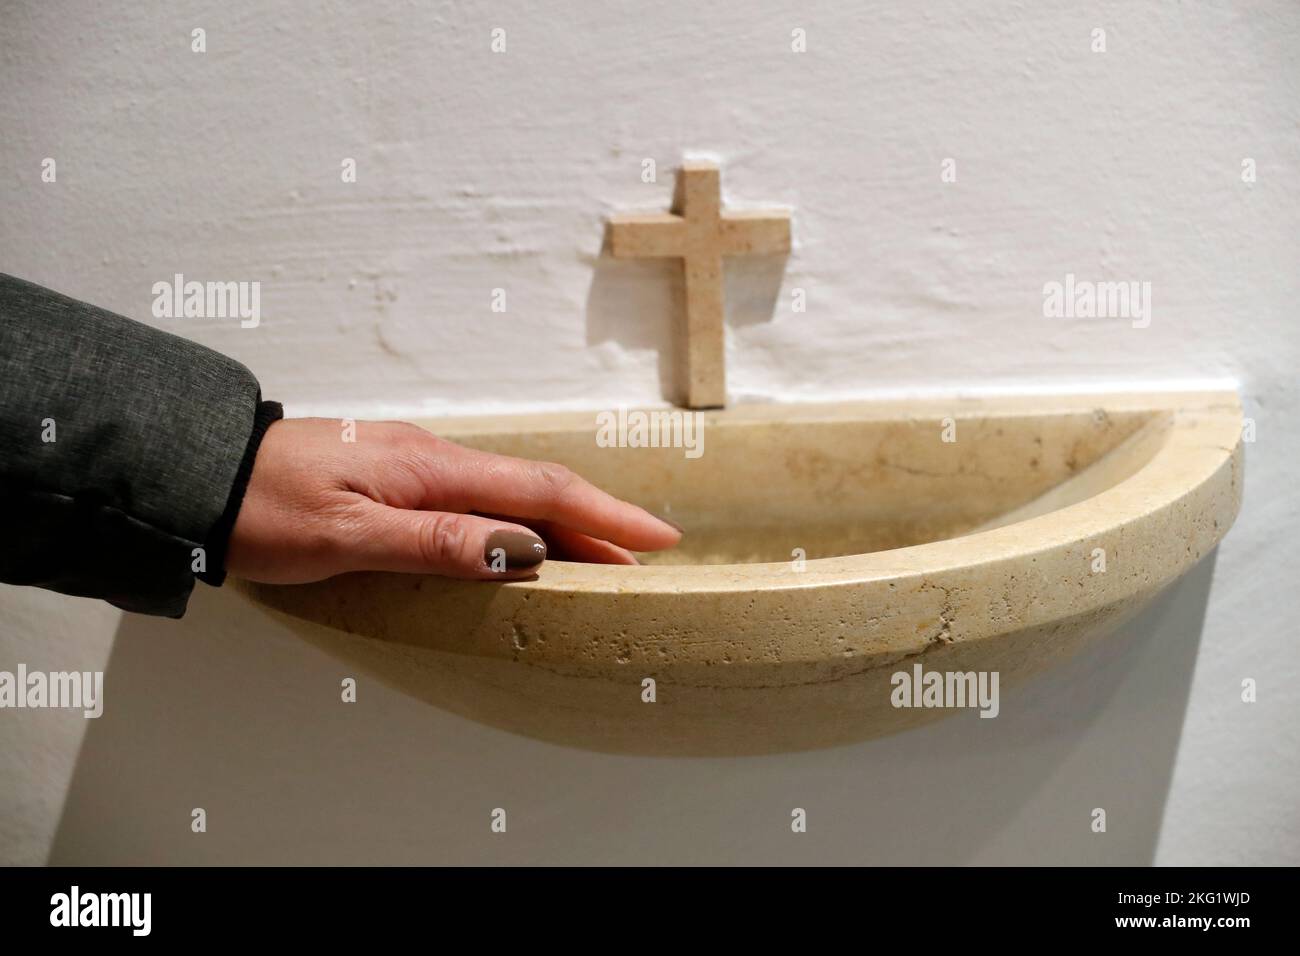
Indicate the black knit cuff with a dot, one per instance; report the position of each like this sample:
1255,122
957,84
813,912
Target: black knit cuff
219,537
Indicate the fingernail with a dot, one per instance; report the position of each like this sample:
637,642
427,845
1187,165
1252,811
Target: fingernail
520,550
671,523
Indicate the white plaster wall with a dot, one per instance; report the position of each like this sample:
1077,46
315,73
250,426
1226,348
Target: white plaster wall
479,170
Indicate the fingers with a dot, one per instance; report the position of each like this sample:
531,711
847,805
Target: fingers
465,479
565,544
453,545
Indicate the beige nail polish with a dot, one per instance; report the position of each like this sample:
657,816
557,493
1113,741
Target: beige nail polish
670,522
521,549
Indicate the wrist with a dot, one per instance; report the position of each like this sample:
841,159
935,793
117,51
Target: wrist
265,415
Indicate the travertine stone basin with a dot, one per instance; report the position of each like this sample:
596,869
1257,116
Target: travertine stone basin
1045,522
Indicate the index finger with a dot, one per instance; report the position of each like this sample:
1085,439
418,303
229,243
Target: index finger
500,484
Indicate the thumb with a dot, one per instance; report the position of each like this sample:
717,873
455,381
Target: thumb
439,542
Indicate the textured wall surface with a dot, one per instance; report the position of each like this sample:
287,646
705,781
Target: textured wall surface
479,170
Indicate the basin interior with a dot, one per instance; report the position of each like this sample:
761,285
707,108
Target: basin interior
827,482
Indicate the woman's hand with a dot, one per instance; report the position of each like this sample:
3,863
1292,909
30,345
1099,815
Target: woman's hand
401,499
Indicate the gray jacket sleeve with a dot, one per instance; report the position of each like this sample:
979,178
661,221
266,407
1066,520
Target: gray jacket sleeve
124,452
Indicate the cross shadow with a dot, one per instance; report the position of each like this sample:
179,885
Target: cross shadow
636,303
229,711
633,302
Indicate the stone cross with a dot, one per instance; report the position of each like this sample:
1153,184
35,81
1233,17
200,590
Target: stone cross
700,233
